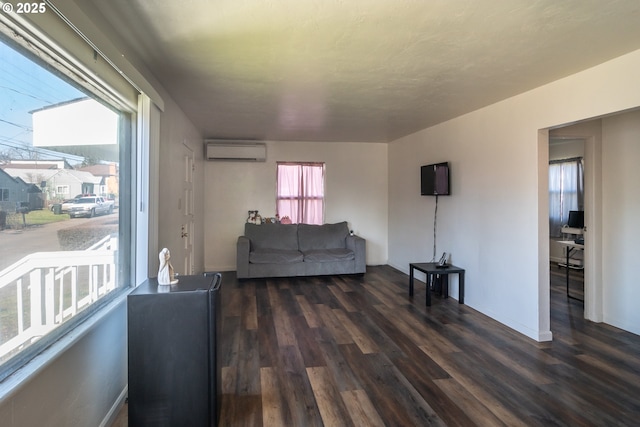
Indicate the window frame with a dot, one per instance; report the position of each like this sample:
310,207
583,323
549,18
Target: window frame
59,192
42,51
300,198
569,194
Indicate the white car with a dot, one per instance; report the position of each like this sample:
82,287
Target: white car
90,207
66,205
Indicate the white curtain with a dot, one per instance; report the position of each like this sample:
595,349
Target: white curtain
566,192
300,188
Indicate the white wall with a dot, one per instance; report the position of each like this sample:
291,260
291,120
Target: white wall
494,223
355,187
621,227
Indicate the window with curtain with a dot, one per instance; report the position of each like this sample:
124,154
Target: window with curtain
300,192
566,192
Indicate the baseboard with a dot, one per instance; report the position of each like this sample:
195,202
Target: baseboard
544,336
111,416
220,268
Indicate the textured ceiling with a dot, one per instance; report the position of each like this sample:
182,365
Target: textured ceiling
361,70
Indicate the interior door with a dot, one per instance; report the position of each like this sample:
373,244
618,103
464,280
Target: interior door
187,227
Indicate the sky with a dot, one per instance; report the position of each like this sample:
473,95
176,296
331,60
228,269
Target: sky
24,87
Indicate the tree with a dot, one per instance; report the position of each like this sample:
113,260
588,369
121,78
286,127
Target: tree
90,161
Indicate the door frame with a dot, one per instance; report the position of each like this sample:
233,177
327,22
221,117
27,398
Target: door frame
593,294
187,221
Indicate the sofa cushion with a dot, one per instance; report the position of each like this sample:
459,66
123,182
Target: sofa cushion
326,236
329,255
272,236
275,256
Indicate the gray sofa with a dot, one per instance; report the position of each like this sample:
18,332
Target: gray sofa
285,250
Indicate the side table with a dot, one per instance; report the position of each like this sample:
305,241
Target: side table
432,269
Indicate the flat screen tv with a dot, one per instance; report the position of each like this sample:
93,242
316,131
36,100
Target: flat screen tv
434,180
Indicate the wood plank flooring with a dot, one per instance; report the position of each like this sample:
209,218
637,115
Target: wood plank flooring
342,351
357,351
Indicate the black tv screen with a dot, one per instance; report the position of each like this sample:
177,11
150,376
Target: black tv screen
434,180
576,219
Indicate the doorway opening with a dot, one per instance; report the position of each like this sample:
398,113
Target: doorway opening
587,138
566,215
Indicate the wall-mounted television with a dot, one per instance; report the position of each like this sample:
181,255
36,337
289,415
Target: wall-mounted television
434,179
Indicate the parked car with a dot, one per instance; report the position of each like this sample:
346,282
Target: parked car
66,203
90,207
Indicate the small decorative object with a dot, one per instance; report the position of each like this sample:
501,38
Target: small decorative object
254,218
285,220
166,275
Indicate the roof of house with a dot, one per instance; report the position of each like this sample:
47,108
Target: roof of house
100,170
28,175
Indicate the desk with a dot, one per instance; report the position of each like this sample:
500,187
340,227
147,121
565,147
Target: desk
431,269
571,246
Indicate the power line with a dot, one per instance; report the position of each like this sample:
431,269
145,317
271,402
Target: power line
41,151
17,125
27,94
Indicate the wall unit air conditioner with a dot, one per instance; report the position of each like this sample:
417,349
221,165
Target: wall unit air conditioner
247,151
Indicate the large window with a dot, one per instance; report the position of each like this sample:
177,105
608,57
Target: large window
300,192
566,192
60,261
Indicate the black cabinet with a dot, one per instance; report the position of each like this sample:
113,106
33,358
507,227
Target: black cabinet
174,368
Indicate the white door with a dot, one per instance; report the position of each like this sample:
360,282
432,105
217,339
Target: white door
187,227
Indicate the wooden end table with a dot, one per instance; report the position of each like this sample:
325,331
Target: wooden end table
432,269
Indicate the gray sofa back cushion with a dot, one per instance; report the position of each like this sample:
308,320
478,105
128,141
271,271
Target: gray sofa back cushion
326,236
272,236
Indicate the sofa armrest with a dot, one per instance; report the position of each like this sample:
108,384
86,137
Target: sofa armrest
242,257
358,245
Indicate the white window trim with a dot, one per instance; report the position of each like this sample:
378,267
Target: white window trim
139,213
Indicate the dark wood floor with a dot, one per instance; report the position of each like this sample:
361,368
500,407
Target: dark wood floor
341,351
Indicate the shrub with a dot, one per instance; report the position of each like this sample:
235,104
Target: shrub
82,237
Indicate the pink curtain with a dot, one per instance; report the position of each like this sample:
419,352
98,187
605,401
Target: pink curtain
301,192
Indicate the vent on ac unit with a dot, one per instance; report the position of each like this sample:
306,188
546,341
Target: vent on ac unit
247,151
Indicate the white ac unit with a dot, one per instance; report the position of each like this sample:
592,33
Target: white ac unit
247,151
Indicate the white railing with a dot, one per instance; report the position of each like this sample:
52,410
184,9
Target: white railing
49,288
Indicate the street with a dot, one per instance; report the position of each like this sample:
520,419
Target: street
16,244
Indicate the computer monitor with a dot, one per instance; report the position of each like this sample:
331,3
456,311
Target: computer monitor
576,219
